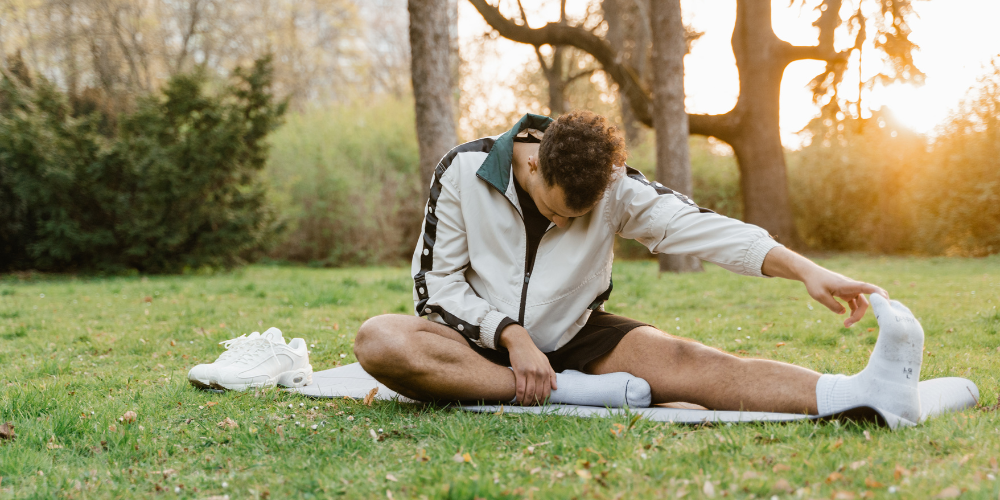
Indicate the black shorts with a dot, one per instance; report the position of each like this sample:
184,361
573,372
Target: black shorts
598,337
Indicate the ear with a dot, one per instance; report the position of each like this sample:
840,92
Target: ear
533,163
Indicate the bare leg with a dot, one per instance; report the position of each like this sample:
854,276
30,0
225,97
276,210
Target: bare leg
684,370
427,361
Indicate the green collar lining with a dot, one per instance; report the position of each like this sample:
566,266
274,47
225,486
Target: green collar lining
496,168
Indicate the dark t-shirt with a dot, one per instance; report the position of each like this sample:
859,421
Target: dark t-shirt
535,224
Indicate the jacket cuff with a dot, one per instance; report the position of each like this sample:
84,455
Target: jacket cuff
488,329
754,259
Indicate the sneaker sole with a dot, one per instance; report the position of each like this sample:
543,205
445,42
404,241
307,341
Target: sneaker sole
293,378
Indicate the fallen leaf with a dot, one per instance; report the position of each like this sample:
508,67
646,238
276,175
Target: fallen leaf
838,444
843,495
834,476
148,300
618,429
466,457
458,458
129,417
949,492
993,460
782,486
964,459
708,489
421,455
583,473
868,436
373,434
210,404
534,471
779,344
112,427
780,468
166,472
392,478
371,396
872,483
7,432
750,475
900,472
227,423
859,464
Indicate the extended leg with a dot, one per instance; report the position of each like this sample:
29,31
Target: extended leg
427,361
683,370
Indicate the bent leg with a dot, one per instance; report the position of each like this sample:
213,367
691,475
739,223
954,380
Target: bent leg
428,361
684,370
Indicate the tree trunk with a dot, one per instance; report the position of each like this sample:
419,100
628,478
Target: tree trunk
670,121
761,58
629,34
431,73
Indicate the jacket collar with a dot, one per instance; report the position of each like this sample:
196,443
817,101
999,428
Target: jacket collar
496,168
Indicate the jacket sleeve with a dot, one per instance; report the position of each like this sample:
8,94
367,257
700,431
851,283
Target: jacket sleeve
669,222
440,291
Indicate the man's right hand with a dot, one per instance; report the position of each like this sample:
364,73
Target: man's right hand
534,377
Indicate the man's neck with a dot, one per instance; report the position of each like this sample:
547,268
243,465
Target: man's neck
519,161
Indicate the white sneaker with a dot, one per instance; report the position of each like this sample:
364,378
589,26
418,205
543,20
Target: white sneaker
264,362
201,375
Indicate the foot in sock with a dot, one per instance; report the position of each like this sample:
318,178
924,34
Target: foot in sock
889,382
611,389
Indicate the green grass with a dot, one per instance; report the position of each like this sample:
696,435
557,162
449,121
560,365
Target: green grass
77,353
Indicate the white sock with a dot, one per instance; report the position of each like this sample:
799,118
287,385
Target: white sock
889,382
611,389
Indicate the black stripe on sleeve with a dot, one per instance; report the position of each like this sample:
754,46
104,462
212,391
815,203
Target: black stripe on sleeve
430,234
662,190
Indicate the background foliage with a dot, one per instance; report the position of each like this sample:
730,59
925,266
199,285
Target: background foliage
175,185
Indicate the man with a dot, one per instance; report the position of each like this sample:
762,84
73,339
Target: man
514,265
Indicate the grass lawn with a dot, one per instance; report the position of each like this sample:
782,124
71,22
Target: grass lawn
78,353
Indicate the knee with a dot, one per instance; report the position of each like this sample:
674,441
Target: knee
379,344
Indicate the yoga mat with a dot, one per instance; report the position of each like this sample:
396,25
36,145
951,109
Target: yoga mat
937,396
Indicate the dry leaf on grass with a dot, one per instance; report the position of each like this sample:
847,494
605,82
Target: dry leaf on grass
834,476
227,423
872,483
128,417
859,464
838,444
392,478
210,404
782,486
52,444
900,472
371,396
708,489
421,455
7,431
780,468
844,495
949,492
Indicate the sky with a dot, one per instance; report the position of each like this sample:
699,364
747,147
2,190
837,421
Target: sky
957,39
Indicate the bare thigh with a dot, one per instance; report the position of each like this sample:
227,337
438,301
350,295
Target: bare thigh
679,369
427,361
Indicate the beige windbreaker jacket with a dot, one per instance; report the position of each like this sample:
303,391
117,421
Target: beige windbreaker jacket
469,265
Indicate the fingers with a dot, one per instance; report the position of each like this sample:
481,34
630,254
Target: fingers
529,391
830,303
520,384
858,287
859,306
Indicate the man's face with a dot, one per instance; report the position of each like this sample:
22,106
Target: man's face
551,202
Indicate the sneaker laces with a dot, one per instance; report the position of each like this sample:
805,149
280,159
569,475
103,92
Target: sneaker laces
250,349
234,346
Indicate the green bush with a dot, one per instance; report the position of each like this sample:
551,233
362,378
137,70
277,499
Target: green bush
175,186
346,179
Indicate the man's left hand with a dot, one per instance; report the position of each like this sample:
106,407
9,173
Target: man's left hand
822,284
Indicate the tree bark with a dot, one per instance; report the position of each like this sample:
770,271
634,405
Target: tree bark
670,121
629,33
431,73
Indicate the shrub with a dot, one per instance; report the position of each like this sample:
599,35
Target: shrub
347,180
174,186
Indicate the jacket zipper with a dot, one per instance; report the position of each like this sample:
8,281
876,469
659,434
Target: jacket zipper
527,272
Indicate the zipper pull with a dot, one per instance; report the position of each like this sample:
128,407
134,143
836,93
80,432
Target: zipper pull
527,276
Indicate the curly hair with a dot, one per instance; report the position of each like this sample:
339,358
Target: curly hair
578,153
